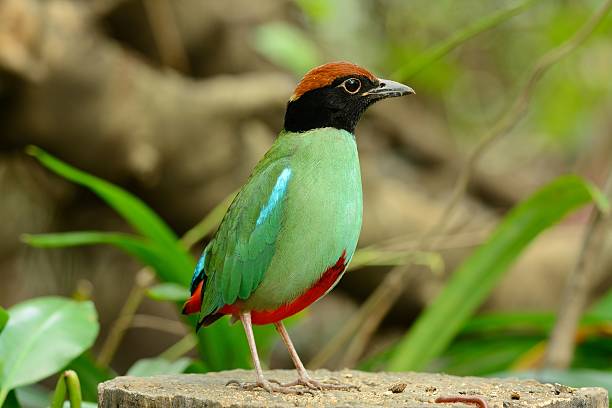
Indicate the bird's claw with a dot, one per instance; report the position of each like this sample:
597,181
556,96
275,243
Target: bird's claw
319,386
270,386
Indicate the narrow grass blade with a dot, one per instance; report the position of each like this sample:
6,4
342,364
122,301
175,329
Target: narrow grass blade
447,45
131,208
160,258
476,277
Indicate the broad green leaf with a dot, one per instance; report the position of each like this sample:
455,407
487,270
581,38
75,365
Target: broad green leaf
135,211
477,276
168,292
41,337
287,46
4,316
162,260
156,366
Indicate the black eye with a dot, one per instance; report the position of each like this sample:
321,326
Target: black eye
351,85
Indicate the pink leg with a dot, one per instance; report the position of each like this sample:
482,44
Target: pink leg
303,377
260,382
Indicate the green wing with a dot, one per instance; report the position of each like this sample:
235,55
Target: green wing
241,251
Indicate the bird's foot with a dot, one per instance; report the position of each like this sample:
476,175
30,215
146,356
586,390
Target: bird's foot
312,384
270,386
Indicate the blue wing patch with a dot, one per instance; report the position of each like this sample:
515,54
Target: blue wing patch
199,272
277,194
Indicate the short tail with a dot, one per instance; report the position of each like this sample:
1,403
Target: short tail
194,303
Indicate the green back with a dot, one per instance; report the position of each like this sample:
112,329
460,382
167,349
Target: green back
298,211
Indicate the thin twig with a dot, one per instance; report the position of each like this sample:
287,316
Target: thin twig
180,348
142,281
208,223
518,109
141,321
138,292
449,44
387,292
560,350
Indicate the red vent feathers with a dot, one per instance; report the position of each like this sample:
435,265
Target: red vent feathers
326,74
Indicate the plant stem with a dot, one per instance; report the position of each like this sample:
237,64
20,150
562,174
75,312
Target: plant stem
59,395
447,45
143,280
208,223
74,388
560,350
68,381
180,348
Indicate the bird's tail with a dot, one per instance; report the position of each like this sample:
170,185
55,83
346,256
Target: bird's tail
194,303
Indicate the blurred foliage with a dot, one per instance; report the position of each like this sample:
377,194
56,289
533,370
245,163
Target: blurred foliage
155,366
68,387
3,318
466,57
473,90
470,285
224,347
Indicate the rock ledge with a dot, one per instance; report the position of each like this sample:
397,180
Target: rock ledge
421,390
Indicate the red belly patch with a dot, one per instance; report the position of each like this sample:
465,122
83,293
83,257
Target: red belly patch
327,280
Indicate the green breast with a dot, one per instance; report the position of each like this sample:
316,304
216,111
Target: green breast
321,218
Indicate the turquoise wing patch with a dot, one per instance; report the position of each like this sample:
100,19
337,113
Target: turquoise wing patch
245,243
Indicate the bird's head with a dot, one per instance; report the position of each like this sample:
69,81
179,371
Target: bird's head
336,95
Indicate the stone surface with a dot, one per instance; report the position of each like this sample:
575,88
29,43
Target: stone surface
376,390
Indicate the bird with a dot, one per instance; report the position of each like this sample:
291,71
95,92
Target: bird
292,229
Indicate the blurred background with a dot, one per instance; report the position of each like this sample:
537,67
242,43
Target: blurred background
176,101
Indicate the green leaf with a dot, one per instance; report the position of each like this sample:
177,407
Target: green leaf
160,258
11,401
131,208
134,211
485,354
36,396
59,394
539,321
476,277
4,316
84,404
33,396
156,366
168,292
602,309
42,336
287,46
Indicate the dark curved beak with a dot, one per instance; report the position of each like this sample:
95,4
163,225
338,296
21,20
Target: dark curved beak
389,89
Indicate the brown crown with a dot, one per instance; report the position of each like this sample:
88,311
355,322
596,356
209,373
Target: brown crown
324,75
